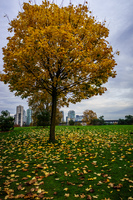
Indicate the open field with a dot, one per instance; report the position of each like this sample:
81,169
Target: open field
87,162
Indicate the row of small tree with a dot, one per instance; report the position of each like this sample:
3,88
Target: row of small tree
127,121
42,118
90,118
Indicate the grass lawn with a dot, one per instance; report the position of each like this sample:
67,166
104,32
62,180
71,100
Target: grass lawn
87,162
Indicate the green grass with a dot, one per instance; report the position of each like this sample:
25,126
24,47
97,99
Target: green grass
86,162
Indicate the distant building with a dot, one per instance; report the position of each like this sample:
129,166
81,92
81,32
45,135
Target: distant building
20,115
29,117
78,118
66,119
62,119
24,117
71,115
15,121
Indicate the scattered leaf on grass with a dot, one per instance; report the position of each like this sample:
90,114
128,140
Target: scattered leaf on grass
66,194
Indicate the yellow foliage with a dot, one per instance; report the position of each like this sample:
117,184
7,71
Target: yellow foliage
89,116
61,47
61,51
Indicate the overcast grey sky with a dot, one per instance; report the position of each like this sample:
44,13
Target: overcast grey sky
118,99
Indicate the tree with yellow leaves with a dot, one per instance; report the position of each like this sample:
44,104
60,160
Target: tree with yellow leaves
89,116
60,51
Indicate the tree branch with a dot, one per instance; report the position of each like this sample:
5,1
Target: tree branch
40,81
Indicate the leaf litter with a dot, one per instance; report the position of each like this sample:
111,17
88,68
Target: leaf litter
84,164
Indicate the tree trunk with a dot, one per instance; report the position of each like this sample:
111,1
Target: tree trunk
53,116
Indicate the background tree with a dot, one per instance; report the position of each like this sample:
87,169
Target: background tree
40,105
58,117
128,120
71,122
43,118
95,122
99,121
89,116
6,122
60,51
121,121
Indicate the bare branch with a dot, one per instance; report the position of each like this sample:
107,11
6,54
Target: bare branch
7,17
61,3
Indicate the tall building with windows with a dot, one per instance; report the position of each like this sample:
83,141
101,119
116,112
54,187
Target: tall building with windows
62,119
71,115
20,115
29,116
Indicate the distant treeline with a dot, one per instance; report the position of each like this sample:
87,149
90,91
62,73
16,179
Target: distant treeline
127,121
100,121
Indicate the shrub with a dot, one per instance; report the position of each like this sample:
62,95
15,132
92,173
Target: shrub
71,122
43,118
6,122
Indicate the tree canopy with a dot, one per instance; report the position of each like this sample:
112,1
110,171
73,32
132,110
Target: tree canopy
60,51
89,116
